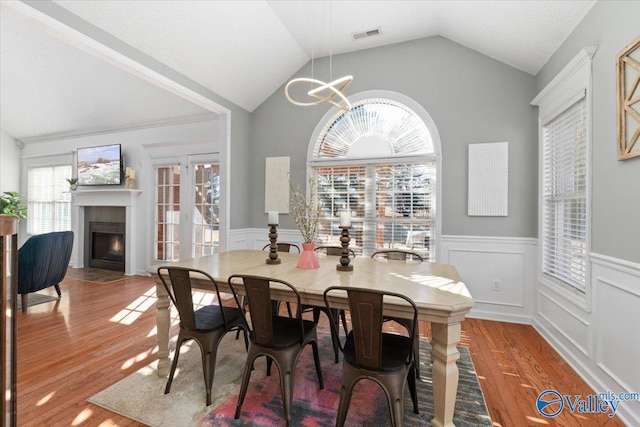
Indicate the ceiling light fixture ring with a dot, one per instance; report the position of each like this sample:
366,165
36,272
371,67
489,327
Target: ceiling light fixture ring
331,90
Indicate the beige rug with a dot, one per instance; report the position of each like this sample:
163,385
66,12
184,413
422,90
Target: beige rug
95,275
141,396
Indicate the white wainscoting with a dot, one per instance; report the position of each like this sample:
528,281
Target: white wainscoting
602,343
499,273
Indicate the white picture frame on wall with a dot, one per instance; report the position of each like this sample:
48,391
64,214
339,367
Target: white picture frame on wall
488,185
276,184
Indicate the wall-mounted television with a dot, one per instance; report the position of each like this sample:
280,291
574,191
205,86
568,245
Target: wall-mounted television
100,165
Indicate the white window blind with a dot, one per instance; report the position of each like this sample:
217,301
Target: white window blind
565,196
48,199
393,206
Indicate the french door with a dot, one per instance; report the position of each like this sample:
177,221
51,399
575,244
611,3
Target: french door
187,214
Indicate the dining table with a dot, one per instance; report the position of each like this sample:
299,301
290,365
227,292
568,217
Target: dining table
437,290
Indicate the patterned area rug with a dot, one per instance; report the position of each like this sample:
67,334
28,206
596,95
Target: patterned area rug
96,275
140,396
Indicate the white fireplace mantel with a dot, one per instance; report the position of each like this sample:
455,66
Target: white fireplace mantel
106,197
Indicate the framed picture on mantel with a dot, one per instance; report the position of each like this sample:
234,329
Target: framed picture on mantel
628,67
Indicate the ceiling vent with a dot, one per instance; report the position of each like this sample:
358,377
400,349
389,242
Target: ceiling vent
364,34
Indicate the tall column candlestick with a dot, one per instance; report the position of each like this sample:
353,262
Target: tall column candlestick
273,247
344,256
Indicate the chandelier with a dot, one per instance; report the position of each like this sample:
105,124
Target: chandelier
319,92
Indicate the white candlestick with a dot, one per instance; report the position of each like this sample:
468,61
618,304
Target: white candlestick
345,219
273,218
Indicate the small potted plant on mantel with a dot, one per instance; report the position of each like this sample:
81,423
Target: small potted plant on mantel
11,204
73,183
306,215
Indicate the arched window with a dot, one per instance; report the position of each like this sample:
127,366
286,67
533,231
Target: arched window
380,161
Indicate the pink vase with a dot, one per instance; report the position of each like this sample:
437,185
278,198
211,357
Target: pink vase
308,257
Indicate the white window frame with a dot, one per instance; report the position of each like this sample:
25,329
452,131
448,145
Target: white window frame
436,157
570,85
44,162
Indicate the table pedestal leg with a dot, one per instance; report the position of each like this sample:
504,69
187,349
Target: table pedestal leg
444,354
163,321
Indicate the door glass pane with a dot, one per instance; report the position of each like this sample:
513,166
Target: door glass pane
167,240
206,211
405,196
341,188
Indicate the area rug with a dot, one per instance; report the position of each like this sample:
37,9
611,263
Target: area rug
140,396
35,299
95,275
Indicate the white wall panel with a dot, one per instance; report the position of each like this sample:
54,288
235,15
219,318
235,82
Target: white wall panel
618,336
568,324
482,261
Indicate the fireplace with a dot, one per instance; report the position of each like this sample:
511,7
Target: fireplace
106,245
106,206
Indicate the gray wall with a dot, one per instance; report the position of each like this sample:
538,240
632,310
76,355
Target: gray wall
9,163
471,97
615,227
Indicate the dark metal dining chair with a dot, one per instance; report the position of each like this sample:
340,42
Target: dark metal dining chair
205,325
402,255
370,353
333,250
398,255
279,338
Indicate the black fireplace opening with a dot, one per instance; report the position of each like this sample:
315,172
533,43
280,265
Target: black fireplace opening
106,245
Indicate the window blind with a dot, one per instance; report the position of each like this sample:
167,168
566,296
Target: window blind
565,196
49,200
393,206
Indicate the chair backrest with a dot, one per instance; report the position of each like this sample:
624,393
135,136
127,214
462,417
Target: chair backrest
366,308
333,250
257,290
397,254
180,292
284,247
43,260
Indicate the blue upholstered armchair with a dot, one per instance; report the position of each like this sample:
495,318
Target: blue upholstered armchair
42,262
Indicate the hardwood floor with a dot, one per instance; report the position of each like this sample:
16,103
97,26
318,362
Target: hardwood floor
97,334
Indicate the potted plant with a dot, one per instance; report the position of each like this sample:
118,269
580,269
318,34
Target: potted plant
306,214
11,204
73,183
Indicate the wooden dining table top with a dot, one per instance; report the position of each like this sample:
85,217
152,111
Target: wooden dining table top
435,288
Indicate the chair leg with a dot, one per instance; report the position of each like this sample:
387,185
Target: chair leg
207,371
176,356
316,359
334,339
287,382
412,388
57,286
344,322
416,353
245,381
24,299
243,304
209,365
345,398
395,397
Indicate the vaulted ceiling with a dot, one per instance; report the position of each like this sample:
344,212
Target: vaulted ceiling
240,50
